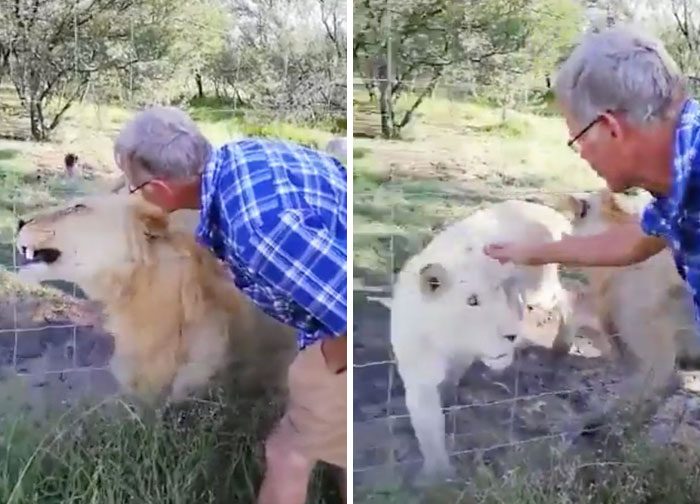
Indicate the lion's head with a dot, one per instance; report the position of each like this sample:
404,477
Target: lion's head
460,302
593,213
89,236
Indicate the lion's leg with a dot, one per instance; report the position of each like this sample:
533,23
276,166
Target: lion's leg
654,348
421,378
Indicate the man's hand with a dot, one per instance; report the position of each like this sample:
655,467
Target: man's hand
510,252
335,351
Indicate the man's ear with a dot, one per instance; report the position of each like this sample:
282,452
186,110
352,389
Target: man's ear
160,193
612,125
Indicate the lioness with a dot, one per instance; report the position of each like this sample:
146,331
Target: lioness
453,305
168,302
656,328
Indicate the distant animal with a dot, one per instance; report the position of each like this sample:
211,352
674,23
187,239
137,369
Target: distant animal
172,308
338,147
69,162
453,305
73,165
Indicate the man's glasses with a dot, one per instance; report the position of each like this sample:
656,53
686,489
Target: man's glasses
571,143
132,189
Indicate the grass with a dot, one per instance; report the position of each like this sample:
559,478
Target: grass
456,158
106,453
628,470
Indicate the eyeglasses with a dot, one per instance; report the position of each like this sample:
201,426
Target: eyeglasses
132,190
571,143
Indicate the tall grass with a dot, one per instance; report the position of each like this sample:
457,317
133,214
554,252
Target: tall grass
108,453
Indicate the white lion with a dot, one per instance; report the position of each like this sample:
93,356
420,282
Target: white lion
646,305
168,302
452,304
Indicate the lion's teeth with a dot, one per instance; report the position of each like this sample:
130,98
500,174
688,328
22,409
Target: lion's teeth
29,253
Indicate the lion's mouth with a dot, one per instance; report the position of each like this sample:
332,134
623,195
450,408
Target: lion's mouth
40,256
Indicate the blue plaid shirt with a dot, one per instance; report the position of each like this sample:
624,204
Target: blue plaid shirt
676,216
276,212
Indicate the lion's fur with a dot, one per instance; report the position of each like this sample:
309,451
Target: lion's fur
452,305
170,305
645,305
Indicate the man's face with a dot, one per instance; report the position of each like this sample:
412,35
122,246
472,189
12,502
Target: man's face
155,191
607,146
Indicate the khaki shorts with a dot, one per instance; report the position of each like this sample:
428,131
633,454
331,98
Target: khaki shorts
315,423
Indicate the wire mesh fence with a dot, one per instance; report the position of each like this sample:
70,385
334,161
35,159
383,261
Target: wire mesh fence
485,413
52,336
458,157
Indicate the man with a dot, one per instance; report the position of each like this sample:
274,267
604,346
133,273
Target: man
630,117
276,213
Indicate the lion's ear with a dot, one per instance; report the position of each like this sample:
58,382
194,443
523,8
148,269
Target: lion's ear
145,223
570,206
153,220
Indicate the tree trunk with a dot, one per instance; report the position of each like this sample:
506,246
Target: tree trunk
36,120
386,110
428,91
200,86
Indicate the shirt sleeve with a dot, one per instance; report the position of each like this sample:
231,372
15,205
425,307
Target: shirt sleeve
299,255
652,221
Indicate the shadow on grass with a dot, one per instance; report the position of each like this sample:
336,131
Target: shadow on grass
209,450
412,213
7,154
7,251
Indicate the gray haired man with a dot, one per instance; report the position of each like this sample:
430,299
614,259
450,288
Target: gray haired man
276,213
631,118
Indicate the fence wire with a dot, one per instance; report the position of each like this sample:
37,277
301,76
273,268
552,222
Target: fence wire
384,441
55,333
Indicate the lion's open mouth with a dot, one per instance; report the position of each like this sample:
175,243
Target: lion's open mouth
42,255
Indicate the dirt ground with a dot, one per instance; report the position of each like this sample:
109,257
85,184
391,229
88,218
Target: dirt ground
52,357
556,396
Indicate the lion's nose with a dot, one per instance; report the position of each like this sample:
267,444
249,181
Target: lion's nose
510,337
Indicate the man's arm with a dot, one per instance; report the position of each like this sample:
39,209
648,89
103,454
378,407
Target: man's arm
622,245
335,351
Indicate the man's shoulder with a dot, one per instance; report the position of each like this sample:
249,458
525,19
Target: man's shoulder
688,133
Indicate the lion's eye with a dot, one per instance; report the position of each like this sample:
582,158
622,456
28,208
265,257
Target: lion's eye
79,206
434,283
473,300
584,208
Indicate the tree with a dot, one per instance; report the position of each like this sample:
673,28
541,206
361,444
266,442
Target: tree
287,56
684,38
399,42
554,27
53,49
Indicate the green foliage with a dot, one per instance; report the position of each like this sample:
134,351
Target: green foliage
497,46
286,57
109,453
637,473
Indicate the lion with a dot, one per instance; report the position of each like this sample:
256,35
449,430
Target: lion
171,306
646,306
453,305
